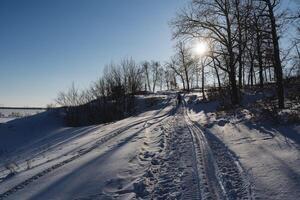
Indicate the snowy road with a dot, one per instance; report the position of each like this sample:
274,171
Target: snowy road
157,155
195,165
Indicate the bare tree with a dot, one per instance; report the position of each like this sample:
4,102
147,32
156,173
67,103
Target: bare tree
173,65
71,98
98,88
182,63
170,77
132,76
155,73
271,5
146,66
212,19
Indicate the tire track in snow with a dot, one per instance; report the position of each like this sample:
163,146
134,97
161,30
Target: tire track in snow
205,168
171,173
34,155
137,187
83,151
220,175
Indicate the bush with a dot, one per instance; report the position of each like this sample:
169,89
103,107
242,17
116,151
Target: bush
101,110
110,98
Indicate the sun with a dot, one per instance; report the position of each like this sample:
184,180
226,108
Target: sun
200,48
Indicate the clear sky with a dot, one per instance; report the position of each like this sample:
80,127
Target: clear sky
47,44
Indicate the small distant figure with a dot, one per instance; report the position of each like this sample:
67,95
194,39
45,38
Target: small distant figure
178,98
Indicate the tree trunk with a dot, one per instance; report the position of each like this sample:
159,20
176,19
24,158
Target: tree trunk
187,79
277,61
154,81
270,74
240,40
217,73
183,83
259,56
234,91
232,76
202,71
240,72
197,77
148,81
244,76
265,74
251,69
232,73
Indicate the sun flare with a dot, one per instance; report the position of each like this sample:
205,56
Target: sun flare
200,48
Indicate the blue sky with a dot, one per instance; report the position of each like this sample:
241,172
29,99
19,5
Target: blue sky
47,44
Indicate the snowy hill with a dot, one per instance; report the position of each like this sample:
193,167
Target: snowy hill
168,151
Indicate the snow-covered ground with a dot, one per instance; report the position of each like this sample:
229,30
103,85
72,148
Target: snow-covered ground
6,119
166,152
39,153
13,113
269,153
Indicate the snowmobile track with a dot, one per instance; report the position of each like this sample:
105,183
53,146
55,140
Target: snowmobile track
219,174
208,187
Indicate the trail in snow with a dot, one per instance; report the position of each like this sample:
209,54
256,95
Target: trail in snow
194,165
220,174
161,155
266,153
171,173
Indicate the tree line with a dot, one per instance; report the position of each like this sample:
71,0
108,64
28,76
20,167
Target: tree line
111,97
244,41
243,50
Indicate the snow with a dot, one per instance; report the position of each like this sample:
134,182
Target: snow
269,153
57,152
189,151
7,115
23,112
6,119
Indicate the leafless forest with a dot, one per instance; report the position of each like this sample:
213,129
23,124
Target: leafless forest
248,44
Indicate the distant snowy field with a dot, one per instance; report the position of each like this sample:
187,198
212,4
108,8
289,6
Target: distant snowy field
11,114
